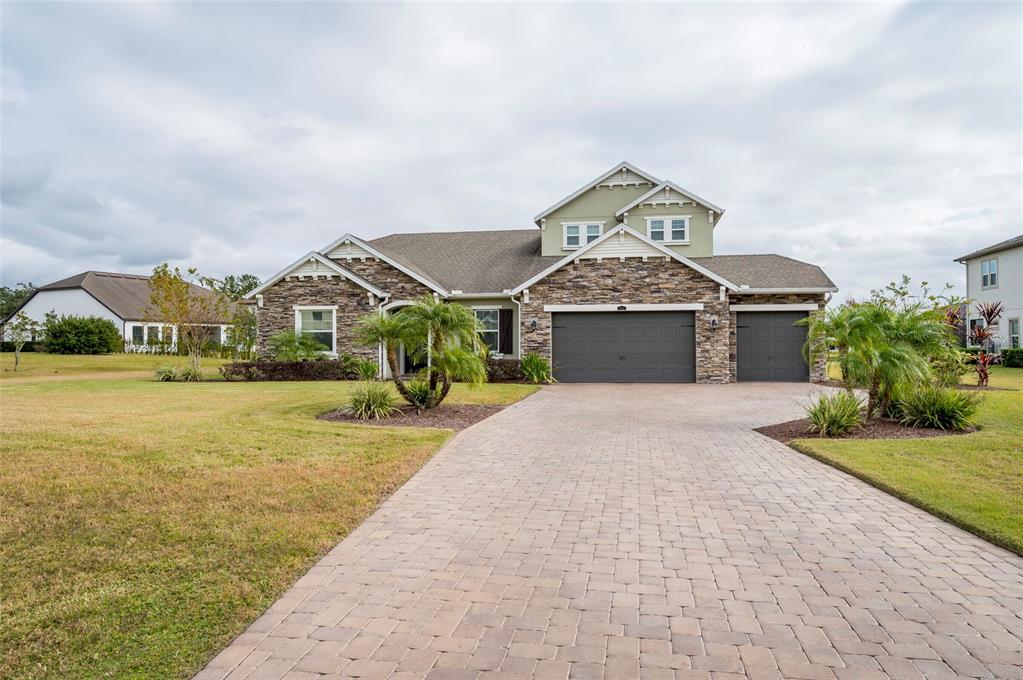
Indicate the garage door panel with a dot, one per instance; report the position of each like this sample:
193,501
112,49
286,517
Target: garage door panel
624,347
769,347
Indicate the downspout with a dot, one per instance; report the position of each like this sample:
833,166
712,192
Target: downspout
380,345
518,330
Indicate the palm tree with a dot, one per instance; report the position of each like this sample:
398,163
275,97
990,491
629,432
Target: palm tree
448,335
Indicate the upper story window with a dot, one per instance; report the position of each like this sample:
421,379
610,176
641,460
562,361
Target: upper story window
989,273
317,323
577,234
669,229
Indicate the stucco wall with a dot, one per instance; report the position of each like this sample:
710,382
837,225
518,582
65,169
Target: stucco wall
632,282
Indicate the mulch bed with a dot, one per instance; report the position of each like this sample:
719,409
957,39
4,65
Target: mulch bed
873,429
445,416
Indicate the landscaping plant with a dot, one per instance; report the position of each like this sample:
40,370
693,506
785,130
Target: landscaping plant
943,408
190,374
367,369
371,400
950,367
292,346
80,335
166,373
833,415
196,312
537,370
448,337
981,335
19,331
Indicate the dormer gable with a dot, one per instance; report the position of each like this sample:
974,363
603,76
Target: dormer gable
669,195
623,175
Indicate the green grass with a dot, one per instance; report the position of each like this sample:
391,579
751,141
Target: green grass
144,524
973,480
95,366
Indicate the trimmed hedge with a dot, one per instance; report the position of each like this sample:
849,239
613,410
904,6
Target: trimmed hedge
504,370
1013,358
317,369
81,335
8,346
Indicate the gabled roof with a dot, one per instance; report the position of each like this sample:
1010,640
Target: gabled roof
996,248
125,295
621,228
754,273
589,185
395,262
660,187
325,261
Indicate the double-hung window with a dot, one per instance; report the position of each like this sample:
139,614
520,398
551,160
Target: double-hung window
671,229
1014,337
581,234
989,273
318,324
138,335
490,328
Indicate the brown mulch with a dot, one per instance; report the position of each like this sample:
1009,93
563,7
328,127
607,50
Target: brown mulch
872,429
445,416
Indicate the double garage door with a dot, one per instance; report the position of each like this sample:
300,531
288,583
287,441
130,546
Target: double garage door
660,347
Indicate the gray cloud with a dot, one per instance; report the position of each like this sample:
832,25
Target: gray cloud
873,139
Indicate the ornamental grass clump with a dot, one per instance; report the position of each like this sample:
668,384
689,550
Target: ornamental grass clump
537,370
371,401
166,373
942,408
833,415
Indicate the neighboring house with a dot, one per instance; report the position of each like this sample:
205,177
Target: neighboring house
121,298
617,282
995,274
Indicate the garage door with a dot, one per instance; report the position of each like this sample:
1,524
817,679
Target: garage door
769,347
624,347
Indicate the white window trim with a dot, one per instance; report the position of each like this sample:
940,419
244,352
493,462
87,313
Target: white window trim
667,228
994,285
780,307
333,322
667,307
1018,334
491,308
582,232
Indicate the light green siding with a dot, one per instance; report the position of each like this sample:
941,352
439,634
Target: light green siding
596,205
701,233
500,303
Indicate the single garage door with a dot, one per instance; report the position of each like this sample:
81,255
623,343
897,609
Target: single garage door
769,347
624,347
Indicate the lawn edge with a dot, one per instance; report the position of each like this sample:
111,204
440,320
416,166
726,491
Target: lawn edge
805,448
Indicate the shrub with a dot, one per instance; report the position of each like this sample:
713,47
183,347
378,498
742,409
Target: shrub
367,369
943,408
371,400
418,392
503,370
292,346
949,367
265,370
537,370
835,414
1012,358
81,335
190,374
167,373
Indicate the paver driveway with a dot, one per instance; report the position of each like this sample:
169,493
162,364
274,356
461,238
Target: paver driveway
642,531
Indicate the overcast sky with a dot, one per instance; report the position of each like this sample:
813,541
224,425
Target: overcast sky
872,139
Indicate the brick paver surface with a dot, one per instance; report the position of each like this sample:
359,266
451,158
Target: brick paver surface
642,532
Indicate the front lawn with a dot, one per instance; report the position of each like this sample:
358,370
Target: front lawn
144,524
93,366
973,480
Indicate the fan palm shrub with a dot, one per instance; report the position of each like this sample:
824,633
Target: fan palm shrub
292,346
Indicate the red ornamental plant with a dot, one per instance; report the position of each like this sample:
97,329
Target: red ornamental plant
981,335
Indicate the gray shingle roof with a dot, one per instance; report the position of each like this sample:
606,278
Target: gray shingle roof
998,247
126,295
495,261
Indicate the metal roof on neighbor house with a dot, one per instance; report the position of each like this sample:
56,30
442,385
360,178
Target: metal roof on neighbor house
996,248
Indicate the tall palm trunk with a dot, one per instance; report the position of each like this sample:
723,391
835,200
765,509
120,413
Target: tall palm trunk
392,363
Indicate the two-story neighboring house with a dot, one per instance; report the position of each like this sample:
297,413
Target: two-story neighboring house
616,282
995,274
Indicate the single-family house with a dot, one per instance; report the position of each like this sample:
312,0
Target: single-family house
617,281
995,274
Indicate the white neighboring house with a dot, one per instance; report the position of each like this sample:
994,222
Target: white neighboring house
995,274
121,298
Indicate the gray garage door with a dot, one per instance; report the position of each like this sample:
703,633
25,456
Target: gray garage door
624,347
769,347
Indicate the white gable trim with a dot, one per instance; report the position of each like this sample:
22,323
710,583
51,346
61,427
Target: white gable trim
331,267
589,185
670,185
623,229
380,256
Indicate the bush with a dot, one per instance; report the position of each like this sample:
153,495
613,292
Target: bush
292,346
950,367
503,370
1012,358
371,400
367,369
167,373
419,392
537,370
8,346
943,408
81,335
190,374
264,370
835,414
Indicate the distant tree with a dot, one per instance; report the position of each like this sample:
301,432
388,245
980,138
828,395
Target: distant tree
81,335
11,297
19,331
234,287
177,300
241,336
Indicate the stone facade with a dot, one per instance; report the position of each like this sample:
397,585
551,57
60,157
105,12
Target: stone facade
396,283
634,281
819,369
278,311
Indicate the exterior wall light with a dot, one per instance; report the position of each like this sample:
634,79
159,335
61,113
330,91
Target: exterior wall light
532,325
712,322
